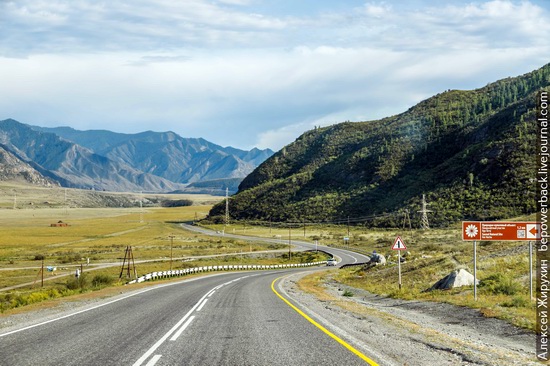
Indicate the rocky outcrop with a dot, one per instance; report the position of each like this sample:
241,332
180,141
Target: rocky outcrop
456,278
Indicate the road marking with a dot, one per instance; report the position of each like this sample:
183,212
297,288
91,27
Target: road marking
154,360
212,293
169,333
108,303
183,327
201,305
89,309
325,330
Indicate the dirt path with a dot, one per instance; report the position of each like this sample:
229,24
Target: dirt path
398,332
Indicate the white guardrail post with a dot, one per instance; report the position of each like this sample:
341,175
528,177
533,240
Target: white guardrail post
182,272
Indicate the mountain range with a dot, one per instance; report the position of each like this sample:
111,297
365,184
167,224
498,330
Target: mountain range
105,160
469,152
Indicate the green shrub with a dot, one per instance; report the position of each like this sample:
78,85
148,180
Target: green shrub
80,283
177,203
348,293
500,284
70,258
516,302
102,280
14,300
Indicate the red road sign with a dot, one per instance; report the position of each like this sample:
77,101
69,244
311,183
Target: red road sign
500,230
398,244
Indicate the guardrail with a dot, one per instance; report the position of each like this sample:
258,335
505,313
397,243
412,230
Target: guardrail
241,267
356,250
351,249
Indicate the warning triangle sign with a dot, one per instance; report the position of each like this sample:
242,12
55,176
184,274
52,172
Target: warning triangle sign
398,244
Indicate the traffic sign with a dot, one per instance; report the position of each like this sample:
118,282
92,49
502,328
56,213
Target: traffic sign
500,230
398,244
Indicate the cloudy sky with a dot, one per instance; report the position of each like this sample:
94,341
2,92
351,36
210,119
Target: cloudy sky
251,73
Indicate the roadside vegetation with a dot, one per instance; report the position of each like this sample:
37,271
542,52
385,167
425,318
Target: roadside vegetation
102,235
502,268
95,242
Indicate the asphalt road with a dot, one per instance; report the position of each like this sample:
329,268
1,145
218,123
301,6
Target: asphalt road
346,256
233,318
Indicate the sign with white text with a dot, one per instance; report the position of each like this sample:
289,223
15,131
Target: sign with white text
500,230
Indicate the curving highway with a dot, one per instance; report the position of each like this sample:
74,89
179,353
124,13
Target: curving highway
237,318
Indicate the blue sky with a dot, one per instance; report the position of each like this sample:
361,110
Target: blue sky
251,73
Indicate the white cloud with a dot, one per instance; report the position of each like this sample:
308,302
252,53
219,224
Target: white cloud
223,71
377,10
89,26
236,2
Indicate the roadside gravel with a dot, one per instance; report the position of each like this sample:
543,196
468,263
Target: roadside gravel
398,332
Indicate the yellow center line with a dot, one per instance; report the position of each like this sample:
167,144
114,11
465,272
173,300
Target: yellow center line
325,330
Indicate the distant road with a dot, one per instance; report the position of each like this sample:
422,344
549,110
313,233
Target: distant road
235,318
348,257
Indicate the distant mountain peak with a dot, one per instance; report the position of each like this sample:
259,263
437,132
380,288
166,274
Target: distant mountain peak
102,159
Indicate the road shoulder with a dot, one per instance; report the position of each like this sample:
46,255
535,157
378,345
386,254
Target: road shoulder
411,332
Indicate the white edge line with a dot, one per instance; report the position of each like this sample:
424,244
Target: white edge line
154,360
169,333
201,305
104,304
180,331
162,339
75,313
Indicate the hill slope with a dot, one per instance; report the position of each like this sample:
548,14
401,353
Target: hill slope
470,152
14,169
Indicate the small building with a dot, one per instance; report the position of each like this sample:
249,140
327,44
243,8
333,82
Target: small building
59,224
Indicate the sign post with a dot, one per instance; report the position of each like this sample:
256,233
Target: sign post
475,270
399,246
500,231
530,270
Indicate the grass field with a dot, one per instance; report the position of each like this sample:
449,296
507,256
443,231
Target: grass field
102,235
96,239
502,267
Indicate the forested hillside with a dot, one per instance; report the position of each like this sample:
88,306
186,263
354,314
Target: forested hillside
470,152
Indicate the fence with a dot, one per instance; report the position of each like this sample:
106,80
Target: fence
241,267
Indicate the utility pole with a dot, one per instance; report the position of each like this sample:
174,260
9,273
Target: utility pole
289,241
40,273
140,207
348,226
65,204
128,262
406,217
226,206
171,246
14,200
425,224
